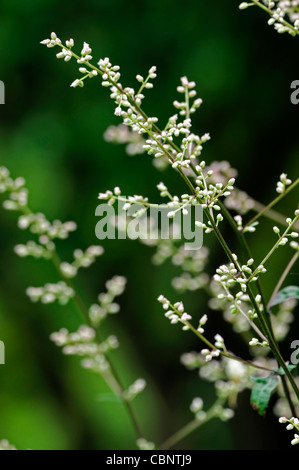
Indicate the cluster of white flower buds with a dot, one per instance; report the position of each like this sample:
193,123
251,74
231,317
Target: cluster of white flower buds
209,193
18,194
82,259
196,408
176,312
84,59
112,197
283,239
145,83
6,445
224,414
209,354
35,222
106,301
187,89
220,301
240,202
192,360
283,183
159,143
226,388
137,387
126,99
192,265
83,343
245,228
203,320
122,134
79,81
216,411
53,41
50,293
256,342
222,171
284,14
31,248
293,423
47,231
295,245
180,205
232,297
143,444
235,274
229,376
63,337
67,53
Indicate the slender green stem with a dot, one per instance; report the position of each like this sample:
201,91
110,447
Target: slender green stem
246,253
113,380
274,247
267,330
192,426
270,214
283,277
264,209
270,12
243,243
264,323
223,353
288,395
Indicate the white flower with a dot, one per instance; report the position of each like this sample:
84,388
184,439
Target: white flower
295,440
196,405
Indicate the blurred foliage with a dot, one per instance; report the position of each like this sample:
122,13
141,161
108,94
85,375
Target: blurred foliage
53,136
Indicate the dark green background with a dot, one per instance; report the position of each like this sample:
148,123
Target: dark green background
53,136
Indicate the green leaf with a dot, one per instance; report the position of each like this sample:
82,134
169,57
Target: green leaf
262,391
290,292
280,371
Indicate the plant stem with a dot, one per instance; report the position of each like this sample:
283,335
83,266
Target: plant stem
288,395
242,240
270,214
190,427
244,245
283,277
114,381
267,331
212,347
274,247
270,12
272,203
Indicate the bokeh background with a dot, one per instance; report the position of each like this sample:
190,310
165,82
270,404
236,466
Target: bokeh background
53,136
